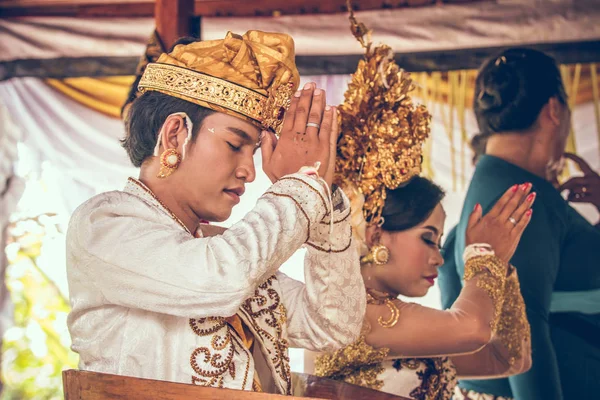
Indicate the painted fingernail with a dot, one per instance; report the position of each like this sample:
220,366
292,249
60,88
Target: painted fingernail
524,187
327,108
298,93
531,197
529,212
308,86
318,92
477,206
514,188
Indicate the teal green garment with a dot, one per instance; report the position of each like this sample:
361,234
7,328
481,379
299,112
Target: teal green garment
559,252
584,302
449,281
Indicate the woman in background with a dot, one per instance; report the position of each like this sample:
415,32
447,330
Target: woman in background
521,109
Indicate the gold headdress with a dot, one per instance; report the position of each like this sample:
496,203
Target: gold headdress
382,132
251,76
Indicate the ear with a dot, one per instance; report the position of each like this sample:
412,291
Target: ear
373,235
554,110
173,133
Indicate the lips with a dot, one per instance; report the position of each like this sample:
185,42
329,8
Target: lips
431,279
235,193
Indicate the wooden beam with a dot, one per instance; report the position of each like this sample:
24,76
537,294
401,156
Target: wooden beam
125,8
68,67
449,60
173,19
564,53
205,8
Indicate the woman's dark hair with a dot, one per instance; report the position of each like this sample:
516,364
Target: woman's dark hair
147,115
411,204
512,88
478,145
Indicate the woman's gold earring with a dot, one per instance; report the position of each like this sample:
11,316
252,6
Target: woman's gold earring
169,161
378,255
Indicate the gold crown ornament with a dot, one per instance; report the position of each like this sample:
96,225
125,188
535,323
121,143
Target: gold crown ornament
382,131
251,76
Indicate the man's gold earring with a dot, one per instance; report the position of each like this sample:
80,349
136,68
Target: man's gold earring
169,161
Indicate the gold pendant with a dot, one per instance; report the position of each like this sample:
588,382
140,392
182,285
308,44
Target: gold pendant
393,320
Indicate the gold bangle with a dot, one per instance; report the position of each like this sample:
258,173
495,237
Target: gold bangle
491,274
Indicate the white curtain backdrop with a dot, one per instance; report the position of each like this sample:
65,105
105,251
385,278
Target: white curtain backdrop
406,30
77,152
11,189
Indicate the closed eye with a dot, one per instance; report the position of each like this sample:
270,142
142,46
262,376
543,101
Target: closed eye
234,148
432,243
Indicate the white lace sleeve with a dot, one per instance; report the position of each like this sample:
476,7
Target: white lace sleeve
327,312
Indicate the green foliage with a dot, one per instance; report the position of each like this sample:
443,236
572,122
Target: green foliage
36,348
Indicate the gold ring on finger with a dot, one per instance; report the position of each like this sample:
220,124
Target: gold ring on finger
313,125
512,221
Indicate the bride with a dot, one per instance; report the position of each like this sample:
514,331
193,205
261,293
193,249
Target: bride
407,349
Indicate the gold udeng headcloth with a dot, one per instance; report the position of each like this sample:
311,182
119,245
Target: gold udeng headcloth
251,76
382,132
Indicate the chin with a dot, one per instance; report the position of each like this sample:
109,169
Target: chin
221,217
217,215
417,292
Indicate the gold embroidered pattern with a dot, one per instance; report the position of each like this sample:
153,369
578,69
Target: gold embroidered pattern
266,306
361,364
277,104
196,87
193,85
513,327
358,364
437,376
211,364
491,277
243,347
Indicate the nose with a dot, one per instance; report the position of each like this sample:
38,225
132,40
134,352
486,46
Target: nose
246,170
437,260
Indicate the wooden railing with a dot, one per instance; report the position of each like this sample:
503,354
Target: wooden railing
85,385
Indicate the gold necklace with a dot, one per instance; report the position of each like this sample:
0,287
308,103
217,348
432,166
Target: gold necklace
171,214
379,298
